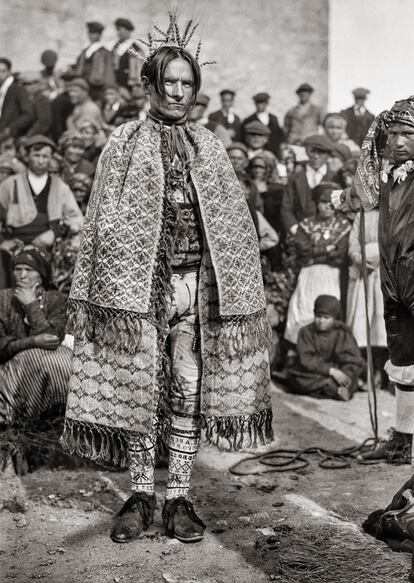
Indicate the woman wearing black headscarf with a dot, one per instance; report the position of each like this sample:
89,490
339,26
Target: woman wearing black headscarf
34,367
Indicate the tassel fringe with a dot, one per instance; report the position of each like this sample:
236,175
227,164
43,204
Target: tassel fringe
106,327
242,336
235,433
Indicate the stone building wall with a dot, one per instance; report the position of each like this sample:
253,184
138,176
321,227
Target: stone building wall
260,45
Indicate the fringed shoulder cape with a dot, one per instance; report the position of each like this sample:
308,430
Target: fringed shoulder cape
120,290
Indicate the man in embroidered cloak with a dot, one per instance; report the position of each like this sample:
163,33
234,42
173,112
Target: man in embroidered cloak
167,305
393,192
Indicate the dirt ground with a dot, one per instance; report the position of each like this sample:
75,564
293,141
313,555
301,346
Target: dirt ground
294,527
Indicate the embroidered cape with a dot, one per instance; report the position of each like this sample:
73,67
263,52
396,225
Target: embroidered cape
121,286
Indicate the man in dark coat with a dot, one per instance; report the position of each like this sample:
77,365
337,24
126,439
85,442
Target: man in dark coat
42,108
16,112
261,114
358,118
298,201
95,63
127,65
225,116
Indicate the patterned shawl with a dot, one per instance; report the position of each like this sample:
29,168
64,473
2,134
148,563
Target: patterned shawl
367,177
120,290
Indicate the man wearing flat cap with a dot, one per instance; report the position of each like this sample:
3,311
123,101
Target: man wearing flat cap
276,137
127,54
358,118
256,138
298,200
304,119
225,116
95,63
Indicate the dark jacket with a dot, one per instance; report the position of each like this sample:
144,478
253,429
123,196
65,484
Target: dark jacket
98,70
42,110
298,202
217,118
276,137
17,112
357,125
20,324
317,352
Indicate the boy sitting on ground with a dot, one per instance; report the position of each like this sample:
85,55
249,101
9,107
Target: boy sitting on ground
328,362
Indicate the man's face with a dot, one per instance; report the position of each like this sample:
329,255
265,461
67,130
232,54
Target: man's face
179,91
94,37
334,128
74,153
317,158
238,160
26,277
256,141
325,209
261,106
401,142
39,160
360,101
227,100
123,33
304,96
88,134
77,95
323,322
4,73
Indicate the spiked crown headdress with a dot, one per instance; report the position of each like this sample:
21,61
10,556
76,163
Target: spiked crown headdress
173,37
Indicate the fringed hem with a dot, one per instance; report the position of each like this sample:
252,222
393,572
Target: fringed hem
234,433
96,442
109,445
241,336
106,327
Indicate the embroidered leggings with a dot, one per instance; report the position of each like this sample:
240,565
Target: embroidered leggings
185,403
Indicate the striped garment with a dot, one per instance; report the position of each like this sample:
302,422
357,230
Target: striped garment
33,382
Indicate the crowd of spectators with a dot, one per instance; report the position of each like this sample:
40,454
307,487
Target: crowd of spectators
53,127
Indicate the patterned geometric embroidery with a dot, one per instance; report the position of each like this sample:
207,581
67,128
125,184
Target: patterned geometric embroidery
141,464
183,450
115,270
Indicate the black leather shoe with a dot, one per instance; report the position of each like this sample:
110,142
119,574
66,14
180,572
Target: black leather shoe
135,516
181,521
396,450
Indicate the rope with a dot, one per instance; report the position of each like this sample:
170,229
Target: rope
288,460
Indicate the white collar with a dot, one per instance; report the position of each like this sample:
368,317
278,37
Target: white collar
91,49
121,47
6,84
37,182
264,117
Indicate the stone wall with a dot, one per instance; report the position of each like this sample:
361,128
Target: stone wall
260,45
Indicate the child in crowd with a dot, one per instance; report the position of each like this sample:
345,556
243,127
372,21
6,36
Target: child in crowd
328,362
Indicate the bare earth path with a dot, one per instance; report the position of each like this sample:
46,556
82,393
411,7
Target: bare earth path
294,527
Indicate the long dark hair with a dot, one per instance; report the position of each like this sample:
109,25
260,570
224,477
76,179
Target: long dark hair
154,67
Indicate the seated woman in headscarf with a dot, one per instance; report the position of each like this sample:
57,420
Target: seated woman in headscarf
34,367
328,361
321,247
